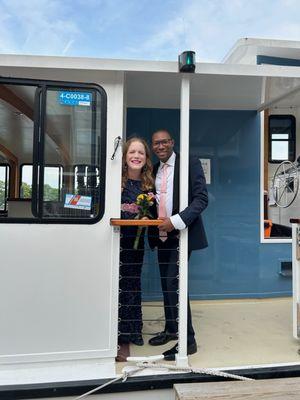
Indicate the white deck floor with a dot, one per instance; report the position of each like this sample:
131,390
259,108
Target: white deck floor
233,333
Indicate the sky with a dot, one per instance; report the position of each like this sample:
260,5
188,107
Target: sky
142,29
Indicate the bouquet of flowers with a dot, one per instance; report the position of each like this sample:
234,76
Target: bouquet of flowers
143,202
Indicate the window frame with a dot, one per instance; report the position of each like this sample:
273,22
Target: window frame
38,147
60,166
7,185
291,139
81,165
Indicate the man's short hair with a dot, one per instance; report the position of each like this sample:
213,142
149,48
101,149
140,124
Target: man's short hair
163,130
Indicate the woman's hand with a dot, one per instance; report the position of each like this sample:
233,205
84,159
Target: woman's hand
145,219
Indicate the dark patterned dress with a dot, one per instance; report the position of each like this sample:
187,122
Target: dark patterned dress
131,260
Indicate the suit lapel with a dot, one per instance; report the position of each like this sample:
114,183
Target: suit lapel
155,169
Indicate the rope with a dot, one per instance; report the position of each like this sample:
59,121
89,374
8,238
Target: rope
98,388
148,364
124,377
207,371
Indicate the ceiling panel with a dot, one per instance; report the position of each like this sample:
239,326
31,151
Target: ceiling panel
162,90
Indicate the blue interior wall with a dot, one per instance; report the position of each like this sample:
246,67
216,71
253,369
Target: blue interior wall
235,264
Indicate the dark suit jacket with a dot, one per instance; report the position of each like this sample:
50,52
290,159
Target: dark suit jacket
191,215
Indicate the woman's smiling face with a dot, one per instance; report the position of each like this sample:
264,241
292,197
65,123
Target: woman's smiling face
136,156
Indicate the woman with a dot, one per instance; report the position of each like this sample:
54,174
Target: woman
136,179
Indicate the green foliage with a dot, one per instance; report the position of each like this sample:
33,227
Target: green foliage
26,191
50,193
2,195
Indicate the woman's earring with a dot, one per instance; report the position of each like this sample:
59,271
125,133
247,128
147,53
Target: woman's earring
125,167
144,168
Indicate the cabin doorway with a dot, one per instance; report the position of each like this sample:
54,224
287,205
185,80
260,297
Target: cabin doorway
225,276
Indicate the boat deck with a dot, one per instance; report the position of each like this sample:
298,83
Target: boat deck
232,333
276,389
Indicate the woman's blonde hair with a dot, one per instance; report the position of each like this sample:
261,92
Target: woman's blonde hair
147,179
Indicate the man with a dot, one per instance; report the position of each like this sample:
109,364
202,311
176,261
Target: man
166,238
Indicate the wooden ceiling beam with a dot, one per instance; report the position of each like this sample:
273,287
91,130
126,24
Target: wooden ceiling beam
15,101
20,105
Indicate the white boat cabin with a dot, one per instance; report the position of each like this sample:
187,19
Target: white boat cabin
60,185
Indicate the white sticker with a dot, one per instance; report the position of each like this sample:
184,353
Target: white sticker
77,201
84,103
206,169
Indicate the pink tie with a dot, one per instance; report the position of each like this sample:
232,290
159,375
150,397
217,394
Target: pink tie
162,208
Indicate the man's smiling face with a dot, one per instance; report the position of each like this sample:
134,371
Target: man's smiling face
162,145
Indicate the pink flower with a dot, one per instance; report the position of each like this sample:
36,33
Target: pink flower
130,207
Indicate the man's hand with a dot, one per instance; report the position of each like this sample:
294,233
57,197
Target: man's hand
166,225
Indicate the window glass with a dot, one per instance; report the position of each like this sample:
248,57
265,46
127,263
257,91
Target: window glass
51,145
4,186
280,136
52,183
282,143
86,176
72,139
26,182
17,116
280,150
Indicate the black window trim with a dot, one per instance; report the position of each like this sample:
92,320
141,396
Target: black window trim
292,139
38,159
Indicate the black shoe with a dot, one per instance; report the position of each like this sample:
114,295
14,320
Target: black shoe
169,355
137,339
162,338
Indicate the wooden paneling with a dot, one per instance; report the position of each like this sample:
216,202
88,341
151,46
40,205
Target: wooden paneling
135,222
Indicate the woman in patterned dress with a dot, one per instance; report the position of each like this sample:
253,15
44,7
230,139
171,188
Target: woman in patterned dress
137,178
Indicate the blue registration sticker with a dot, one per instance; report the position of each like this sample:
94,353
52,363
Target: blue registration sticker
68,98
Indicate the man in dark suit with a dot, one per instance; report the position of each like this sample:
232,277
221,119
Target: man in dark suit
166,237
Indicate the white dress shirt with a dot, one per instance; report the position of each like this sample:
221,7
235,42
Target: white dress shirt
176,220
